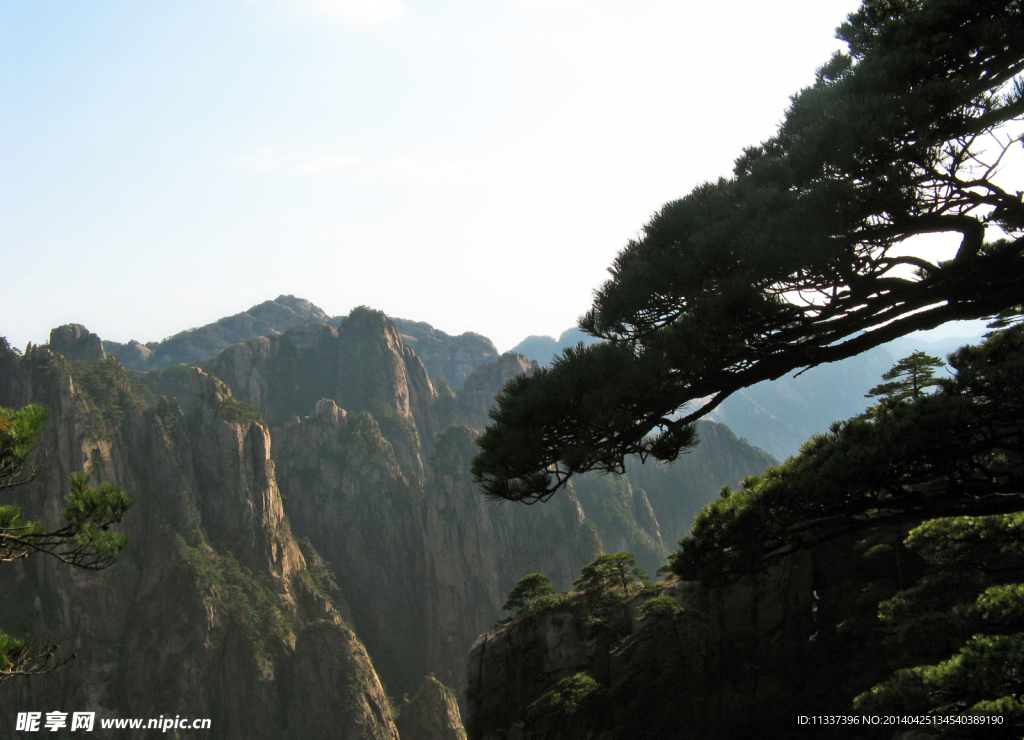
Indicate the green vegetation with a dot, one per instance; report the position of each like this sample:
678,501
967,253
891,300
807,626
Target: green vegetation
969,605
317,571
946,454
795,260
110,393
528,589
908,378
608,572
85,541
532,596
931,484
173,382
572,695
660,607
240,412
230,589
608,582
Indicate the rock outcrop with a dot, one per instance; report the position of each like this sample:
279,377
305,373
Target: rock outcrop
368,478
679,490
433,714
76,343
447,358
212,611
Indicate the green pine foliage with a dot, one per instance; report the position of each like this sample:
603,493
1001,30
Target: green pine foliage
240,412
932,486
608,572
19,432
795,260
85,539
110,393
959,631
527,590
232,592
908,378
10,650
908,463
573,695
660,607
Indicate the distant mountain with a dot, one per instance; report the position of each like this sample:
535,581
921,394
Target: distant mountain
779,415
543,349
205,342
337,426
447,358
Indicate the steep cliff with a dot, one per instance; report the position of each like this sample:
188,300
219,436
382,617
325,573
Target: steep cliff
372,458
736,661
212,612
423,560
447,358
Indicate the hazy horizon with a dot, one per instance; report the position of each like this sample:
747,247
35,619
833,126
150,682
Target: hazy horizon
474,166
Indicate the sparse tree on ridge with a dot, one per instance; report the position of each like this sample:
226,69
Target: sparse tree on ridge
609,571
528,589
793,261
908,378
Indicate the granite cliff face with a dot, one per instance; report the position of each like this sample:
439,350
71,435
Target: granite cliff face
368,477
432,714
447,358
376,478
373,462
213,610
678,491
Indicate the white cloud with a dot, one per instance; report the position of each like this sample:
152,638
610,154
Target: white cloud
330,163
362,12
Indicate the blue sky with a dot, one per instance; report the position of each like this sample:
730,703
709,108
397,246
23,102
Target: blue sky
475,165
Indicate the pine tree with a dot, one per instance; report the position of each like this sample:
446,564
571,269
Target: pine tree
908,378
796,259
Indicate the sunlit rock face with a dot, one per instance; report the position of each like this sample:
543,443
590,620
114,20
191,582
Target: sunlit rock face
326,445
76,343
375,474
432,714
212,611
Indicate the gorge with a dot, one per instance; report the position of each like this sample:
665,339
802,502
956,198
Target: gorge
319,446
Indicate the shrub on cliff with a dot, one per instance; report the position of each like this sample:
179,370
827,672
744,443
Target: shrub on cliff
528,589
616,570
532,595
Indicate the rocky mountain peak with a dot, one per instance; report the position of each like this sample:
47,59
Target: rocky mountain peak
76,342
